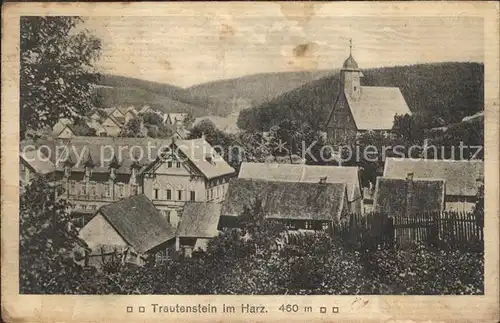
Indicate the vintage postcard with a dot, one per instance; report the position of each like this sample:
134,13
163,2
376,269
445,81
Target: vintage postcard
267,161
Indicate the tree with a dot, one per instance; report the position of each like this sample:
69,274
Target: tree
188,120
57,71
133,128
47,242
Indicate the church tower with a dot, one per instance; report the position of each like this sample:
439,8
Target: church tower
350,76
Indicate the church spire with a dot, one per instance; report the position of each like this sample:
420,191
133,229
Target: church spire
350,46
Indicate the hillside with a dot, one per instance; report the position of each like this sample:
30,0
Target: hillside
120,90
450,91
253,90
218,98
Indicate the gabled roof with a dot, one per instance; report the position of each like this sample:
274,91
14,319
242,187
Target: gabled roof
376,107
39,165
460,176
286,200
302,173
138,222
199,220
177,117
197,151
396,196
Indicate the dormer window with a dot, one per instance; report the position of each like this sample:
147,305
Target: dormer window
112,173
88,172
209,158
67,171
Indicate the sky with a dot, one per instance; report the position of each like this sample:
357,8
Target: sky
189,48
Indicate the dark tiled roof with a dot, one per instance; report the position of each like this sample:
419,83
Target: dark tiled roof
395,196
101,150
460,176
138,222
199,220
286,200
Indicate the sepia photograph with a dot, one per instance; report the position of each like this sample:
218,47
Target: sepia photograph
297,153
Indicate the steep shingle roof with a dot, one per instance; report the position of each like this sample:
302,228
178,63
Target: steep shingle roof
197,151
302,173
395,196
376,107
286,200
138,222
101,150
39,165
460,176
199,220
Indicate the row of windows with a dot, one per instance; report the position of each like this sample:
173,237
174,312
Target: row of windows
215,193
217,182
92,189
170,164
169,196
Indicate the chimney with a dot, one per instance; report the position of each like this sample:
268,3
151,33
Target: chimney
409,177
322,180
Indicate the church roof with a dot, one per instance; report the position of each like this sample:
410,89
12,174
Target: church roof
350,63
376,107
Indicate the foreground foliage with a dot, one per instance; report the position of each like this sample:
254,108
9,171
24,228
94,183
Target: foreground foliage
254,259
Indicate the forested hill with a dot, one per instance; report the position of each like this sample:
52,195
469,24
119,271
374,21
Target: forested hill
120,90
449,91
255,89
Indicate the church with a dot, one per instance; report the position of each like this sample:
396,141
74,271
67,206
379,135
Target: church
359,108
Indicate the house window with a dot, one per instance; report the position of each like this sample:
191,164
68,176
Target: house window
208,195
355,89
192,195
324,225
119,188
83,206
93,191
84,189
169,194
156,193
72,188
178,164
107,190
211,193
133,189
169,164
179,195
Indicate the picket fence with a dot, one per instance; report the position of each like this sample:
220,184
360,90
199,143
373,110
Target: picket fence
455,229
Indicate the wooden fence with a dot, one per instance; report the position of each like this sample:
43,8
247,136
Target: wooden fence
453,229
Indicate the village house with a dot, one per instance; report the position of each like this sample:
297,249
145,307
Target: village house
129,230
95,171
407,197
360,108
62,129
174,118
198,225
462,177
301,173
112,125
299,205
189,171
